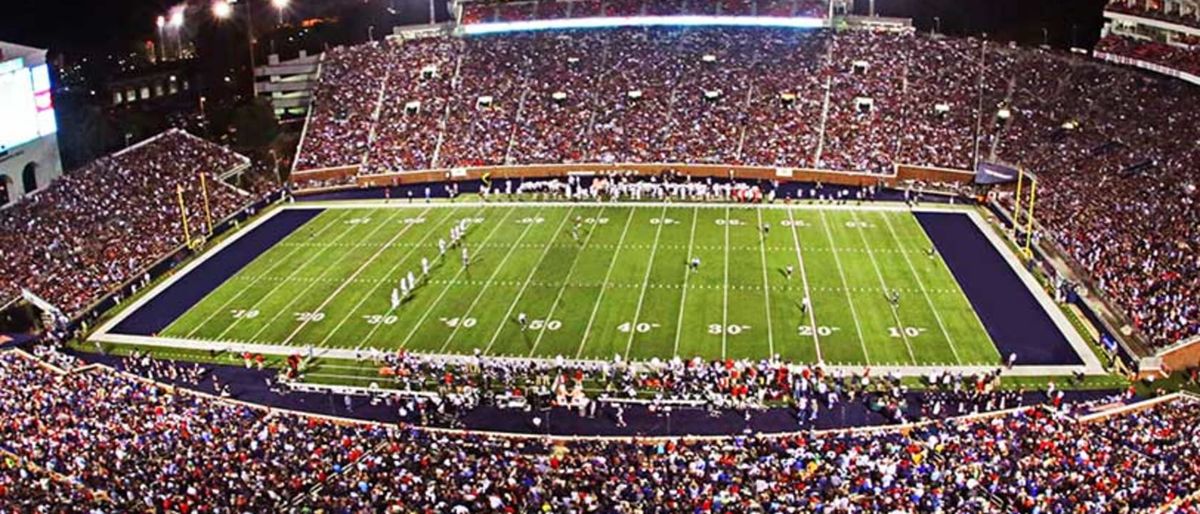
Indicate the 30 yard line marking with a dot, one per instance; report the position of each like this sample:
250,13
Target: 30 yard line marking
309,260
924,293
563,289
392,269
837,261
604,285
339,259
437,301
645,280
725,294
532,271
686,274
882,283
762,239
491,278
812,308
275,264
358,271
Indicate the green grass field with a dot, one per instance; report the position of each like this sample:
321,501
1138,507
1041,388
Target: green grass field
623,289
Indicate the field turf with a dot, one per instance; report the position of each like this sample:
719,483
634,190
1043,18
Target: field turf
624,288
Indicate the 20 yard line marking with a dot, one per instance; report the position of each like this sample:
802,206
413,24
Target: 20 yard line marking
812,308
687,273
645,280
845,287
242,290
490,279
921,285
762,239
437,301
879,274
532,271
563,288
604,285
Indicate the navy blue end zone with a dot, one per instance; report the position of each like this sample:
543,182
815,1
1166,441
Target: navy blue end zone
184,293
1011,314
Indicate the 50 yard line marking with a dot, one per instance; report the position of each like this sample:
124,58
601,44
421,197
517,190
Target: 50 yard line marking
921,284
762,247
845,287
687,273
532,271
563,289
275,264
604,285
490,280
645,281
879,274
812,308
449,284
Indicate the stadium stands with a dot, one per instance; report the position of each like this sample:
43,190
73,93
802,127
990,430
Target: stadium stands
1178,58
104,224
1111,146
1170,11
486,12
142,446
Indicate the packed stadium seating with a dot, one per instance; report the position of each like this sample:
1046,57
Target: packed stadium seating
1174,57
491,11
137,445
1112,147
1166,11
104,224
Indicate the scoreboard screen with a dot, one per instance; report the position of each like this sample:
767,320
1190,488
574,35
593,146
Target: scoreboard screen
26,107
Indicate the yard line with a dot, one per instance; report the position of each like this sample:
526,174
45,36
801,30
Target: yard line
921,285
392,269
837,261
762,239
604,285
812,308
645,281
686,274
532,271
563,288
289,276
357,272
879,274
445,290
725,293
277,263
490,278
302,292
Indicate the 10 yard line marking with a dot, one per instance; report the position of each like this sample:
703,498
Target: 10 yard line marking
845,287
604,285
762,238
878,274
925,293
275,264
812,309
528,279
438,300
645,280
358,272
687,273
300,295
391,270
566,281
725,294
490,279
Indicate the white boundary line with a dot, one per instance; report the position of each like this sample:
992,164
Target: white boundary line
921,286
762,247
725,294
637,314
587,332
687,273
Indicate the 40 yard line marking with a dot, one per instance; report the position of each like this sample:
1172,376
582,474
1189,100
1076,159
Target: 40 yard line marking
275,264
921,285
437,301
762,246
490,279
812,308
604,285
532,271
879,274
645,281
566,281
845,287
296,296
687,273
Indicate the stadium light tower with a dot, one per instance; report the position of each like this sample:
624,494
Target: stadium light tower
221,9
280,6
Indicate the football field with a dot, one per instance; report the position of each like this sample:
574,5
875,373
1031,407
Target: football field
596,281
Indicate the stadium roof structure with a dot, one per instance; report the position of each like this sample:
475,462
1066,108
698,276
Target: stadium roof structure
32,56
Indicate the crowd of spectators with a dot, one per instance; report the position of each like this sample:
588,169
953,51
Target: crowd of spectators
102,225
1177,57
1174,11
505,11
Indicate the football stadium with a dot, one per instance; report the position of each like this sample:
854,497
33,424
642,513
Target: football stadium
619,256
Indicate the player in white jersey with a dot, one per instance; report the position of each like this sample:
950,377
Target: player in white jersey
466,257
522,320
